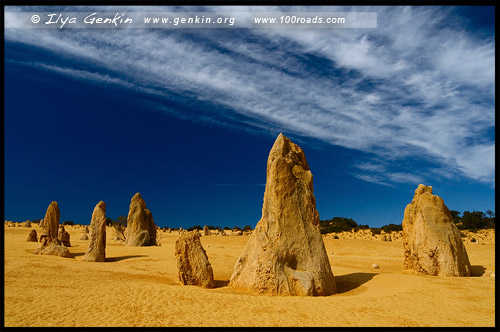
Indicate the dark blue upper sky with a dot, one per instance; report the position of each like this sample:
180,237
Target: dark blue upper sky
188,117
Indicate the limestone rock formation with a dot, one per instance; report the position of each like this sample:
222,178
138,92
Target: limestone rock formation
43,235
206,231
50,243
54,248
431,241
141,229
51,221
84,237
41,224
285,254
192,261
64,237
27,223
32,237
96,251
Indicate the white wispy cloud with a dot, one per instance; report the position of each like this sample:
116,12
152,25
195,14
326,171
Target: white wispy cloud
410,88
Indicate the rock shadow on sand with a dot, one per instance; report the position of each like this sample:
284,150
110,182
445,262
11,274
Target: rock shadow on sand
117,259
221,283
477,270
348,282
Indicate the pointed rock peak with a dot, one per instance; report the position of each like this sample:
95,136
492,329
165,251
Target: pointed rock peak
138,198
53,208
283,147
101,205
422,189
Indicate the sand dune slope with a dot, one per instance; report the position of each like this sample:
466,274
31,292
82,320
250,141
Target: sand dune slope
138,286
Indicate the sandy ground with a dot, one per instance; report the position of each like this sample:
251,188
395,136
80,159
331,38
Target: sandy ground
138,286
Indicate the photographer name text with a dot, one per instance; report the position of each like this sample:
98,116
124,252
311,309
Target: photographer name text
92,19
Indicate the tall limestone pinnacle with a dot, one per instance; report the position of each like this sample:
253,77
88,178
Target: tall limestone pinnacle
285,254
431,241
141,229
96,251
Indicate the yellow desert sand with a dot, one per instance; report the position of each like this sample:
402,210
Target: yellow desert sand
138,286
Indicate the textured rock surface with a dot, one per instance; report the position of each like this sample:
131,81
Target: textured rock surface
50,244
54,248
27,223
64,237
192,261
206,231
96,252
32,237
141,229
285,254
431,241
51,222
84,237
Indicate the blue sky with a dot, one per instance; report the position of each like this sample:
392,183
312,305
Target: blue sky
187,117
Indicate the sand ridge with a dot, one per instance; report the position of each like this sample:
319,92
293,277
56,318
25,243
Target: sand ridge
138,286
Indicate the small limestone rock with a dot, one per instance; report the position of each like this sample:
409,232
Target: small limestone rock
55,248
96,252
375,266
206,231
141,229
192,261
84,237
64,237
32,237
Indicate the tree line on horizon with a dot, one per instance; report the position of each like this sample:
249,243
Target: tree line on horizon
472,221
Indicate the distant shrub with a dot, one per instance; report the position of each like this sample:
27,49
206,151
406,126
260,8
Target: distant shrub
337,225
68,222
336,237
226,228
198,227
36,221
247,228
392,228
473,240
236,228
375,231
462,235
